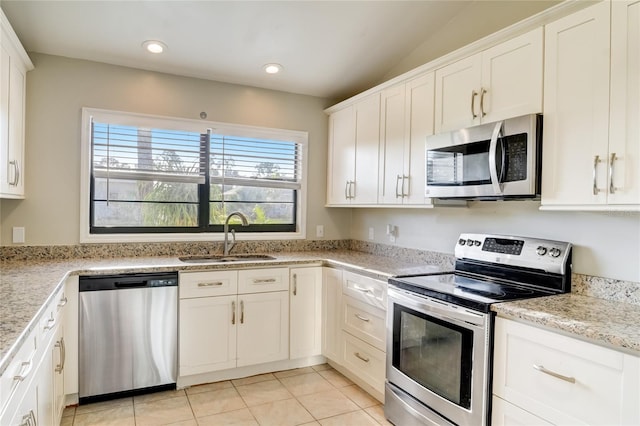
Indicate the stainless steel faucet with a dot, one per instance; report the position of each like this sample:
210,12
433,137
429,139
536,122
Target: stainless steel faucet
227,246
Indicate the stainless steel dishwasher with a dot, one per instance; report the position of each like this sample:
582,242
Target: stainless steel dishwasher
128,335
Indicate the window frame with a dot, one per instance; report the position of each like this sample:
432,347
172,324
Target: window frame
174,123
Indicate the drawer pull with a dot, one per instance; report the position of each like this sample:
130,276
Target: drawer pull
264,280
50,323
363,358
554,374
361,318
63,301
211,284
364,290
24,374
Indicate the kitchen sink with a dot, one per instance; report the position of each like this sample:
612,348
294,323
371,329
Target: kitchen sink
222,258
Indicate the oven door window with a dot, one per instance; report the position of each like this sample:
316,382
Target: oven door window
434,353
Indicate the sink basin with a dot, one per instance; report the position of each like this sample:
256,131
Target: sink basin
222,258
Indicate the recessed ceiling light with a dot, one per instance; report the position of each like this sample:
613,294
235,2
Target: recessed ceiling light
272,68
154,46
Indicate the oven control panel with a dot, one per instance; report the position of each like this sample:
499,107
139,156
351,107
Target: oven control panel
548,255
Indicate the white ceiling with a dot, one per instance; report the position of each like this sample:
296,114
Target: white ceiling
330,49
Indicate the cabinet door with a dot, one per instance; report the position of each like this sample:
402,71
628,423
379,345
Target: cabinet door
512,78
305,324
22,412
365,189
342,152
44,384
207,339
419,125
576,108
263,328
457,94
624,134
392,145
331,308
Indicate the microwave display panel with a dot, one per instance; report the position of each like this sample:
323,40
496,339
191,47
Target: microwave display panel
515,147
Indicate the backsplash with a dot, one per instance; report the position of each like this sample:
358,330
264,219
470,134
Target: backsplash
599,287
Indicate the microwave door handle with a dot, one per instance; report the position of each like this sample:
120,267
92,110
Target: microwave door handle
493,170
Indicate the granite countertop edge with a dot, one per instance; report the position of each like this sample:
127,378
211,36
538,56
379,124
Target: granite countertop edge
607,323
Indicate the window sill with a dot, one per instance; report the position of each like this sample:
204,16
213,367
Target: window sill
157,238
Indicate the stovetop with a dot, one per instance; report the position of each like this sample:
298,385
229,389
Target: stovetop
496,268
465,291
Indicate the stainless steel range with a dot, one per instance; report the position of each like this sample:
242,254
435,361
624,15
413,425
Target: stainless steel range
440,327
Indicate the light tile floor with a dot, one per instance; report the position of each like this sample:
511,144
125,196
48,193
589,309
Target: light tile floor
317,395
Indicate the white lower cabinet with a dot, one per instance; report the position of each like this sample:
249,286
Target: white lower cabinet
263,328
221,331
305,325
361,329
505,413
331,305
32,387
562,380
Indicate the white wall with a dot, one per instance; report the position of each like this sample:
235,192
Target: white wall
59,87
606,244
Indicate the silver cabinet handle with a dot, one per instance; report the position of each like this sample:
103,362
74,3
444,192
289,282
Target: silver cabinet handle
398,194
24,374
473,98
352,189
346,190
264,280
233,312
596,160
554,374
60,345
295,284
241,312
402,193
612,188
363,358
360,317
483,91
29,419
16,173
50,323
211,284
63,301
364,290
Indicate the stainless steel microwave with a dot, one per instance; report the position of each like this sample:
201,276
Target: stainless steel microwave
491,161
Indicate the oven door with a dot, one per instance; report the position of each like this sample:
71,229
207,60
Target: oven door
437,353
488,161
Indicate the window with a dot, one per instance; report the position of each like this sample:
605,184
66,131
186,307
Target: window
151,175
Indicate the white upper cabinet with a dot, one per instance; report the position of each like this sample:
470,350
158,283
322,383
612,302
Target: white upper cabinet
591,140
406,119
501,82
354,137
14,64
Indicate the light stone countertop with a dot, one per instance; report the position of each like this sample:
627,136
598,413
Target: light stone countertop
27,287
610,323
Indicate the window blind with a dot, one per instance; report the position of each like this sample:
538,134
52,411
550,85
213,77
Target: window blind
255,162
148,154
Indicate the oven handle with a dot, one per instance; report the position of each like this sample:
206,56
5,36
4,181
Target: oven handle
493,170
440,310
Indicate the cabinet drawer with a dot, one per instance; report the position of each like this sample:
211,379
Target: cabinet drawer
52,317
210,283
263,280
506,414
561,379
365,289
365,361
364,321
24,366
